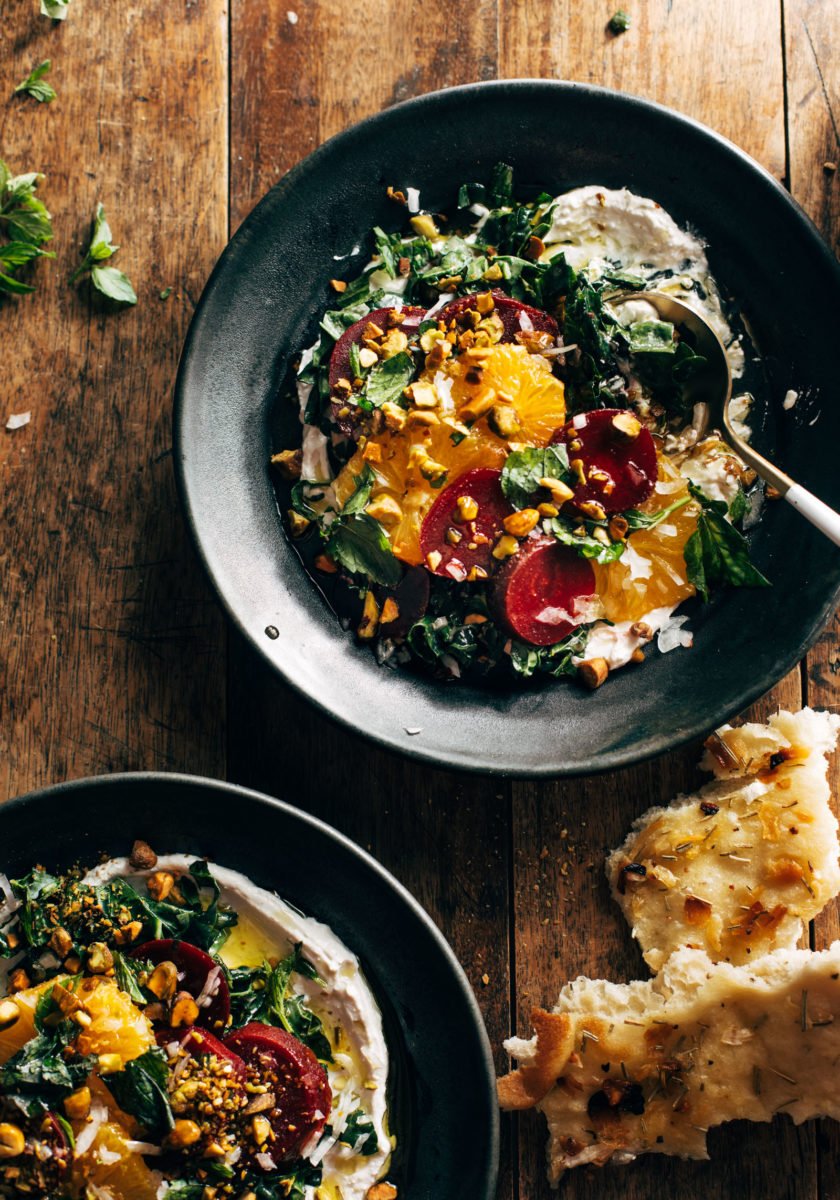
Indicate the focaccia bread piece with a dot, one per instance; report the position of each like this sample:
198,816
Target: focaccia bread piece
621,1070
740,867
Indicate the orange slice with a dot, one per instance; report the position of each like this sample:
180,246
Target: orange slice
626,588
401,472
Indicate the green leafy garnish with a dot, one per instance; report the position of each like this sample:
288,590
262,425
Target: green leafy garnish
107,280
650,337
586,544
388,378
636,519
265,994
35,86
127,972
549,660
25,221
140,1089
42,1073
361,492
716,553
56,10
166,293
524,469
361,546
619,22
359,1132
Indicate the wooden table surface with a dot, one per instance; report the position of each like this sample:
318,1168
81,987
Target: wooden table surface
178,115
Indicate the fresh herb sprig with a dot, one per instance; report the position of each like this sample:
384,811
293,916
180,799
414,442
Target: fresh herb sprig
140,1089
108,280
717,553
35,86
56,10
25,221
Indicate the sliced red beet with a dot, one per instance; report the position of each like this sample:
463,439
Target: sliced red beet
340,359
195,965
625,468
535,591
293,1075
201,1043
465,543
514,315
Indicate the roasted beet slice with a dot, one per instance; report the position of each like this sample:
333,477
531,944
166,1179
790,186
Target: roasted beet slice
619,458
465,542
340,361
201,1043
194,968
514,315
296,1080
411,596
535,591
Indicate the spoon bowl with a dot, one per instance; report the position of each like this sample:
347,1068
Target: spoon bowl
712,386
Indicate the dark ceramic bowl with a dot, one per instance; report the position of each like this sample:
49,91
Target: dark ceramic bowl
262,305
443,1093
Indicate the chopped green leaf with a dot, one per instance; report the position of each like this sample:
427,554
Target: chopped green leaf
41,1072
650,337
388,378
636,519
360,1133
127,972
35,86
619,22
166,293
361,493
55,9
360,545
140,1089
716,553
524,469
549,660
586,544
113,284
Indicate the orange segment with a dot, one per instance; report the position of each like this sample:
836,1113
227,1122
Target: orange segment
16,1036
109,1163
629,599
535,393
118,1025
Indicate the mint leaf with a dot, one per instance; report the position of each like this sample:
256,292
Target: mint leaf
360,545
113,284
107,280
524,469
34,86
716,553
140,1090
364,482
586,544
387,379
56,10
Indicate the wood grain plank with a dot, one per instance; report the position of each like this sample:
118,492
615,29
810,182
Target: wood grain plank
719,62
565,922
812,33
446,837
112,645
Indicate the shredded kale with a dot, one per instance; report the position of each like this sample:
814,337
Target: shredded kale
361,545
42,1073
265,994
359,1132
586,544
549,660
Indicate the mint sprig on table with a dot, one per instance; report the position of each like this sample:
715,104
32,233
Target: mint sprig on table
35,86
24,220
107,280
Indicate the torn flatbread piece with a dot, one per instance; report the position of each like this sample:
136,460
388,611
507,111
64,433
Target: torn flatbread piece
653,1065
739,868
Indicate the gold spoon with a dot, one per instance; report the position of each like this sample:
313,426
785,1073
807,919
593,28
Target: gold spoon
713,386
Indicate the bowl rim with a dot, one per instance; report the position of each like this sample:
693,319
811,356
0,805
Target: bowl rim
646,748
415,910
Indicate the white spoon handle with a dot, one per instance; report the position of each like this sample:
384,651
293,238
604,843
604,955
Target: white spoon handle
815,511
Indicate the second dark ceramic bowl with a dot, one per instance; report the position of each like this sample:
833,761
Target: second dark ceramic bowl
262,305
